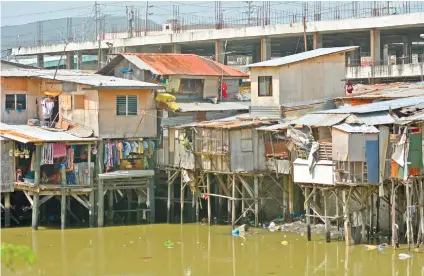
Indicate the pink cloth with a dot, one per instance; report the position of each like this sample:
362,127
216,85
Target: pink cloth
59,150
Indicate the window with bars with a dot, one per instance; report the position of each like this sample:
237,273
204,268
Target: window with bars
126,105
264,86
16,101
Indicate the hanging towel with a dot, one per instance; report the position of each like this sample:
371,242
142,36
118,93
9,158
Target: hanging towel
126,149
47,154
70,159
59,150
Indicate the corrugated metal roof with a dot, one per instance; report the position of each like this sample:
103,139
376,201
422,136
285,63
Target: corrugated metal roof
229,123
320,120
295,110
73,76
370,119
378,106
34,134
302,56
386,91
416,117
127,174
265,112
356,128
222,106
275,127
178,64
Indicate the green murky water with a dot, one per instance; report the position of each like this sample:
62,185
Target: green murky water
198,250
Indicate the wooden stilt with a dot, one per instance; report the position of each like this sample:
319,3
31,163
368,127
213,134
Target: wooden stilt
291,195
36,197
110,211
151,195
308,211
421,203
327,220
243,192
233,202
197,206
129,197
285,180
220,202
91,196
394,228
371,214
100,204
182,199
208,188
229,202
256,187
377,214
63,200
348,234
168,214
408,216
364,207
7,209
337,209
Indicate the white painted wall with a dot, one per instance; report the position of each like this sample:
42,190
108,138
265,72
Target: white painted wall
386,71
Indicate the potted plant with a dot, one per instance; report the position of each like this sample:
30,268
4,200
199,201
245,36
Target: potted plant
26,153
17,152
21,154
11,152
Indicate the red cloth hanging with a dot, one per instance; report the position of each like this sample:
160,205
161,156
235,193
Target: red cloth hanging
224,90
349,87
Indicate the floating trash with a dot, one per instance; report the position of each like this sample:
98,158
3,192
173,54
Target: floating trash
403,256
284,242
168,244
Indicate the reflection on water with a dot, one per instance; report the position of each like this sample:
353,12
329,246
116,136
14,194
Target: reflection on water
199,250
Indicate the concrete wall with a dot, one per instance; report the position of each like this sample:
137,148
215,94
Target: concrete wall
30,87
311,79
113,126
385,71
274,72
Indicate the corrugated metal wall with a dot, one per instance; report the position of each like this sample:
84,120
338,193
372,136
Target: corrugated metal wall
6,168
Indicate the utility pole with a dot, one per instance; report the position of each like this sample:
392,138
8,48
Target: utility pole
146,17
98,36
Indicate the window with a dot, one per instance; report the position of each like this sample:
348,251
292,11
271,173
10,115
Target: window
126,105
16,101
264,86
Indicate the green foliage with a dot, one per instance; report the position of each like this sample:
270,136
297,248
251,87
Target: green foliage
12,254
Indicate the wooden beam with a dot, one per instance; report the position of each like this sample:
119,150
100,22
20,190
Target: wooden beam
7,209
44,199
26,193
256,187
100,204
63,199
36,197
208,187
327,220
83,203
347,228
233,203
246,186
308,210
222,185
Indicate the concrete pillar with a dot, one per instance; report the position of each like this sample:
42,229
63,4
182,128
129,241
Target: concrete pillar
219,50
103,58
265,48
176,48
317,40
256,53
79,60
386,54
40,60
70,65
375,46
406,50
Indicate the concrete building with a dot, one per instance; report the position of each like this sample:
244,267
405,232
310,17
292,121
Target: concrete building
382,33
312,75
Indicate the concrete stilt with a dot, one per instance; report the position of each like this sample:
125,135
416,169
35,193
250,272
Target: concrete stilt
40,60
219,50
317,37
265,48
176,48
70,64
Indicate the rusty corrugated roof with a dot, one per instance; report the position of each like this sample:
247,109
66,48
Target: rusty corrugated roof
185,64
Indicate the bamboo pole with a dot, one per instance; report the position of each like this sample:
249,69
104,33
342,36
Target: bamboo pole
327,220
100,213
182,199
7,209
348,233
168,205
308,218
233,203
421,202
256,187
36,197
408,217
208,188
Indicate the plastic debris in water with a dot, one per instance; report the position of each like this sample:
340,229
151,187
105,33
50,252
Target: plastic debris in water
284,242
168,244
380,249
370,247
403,256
